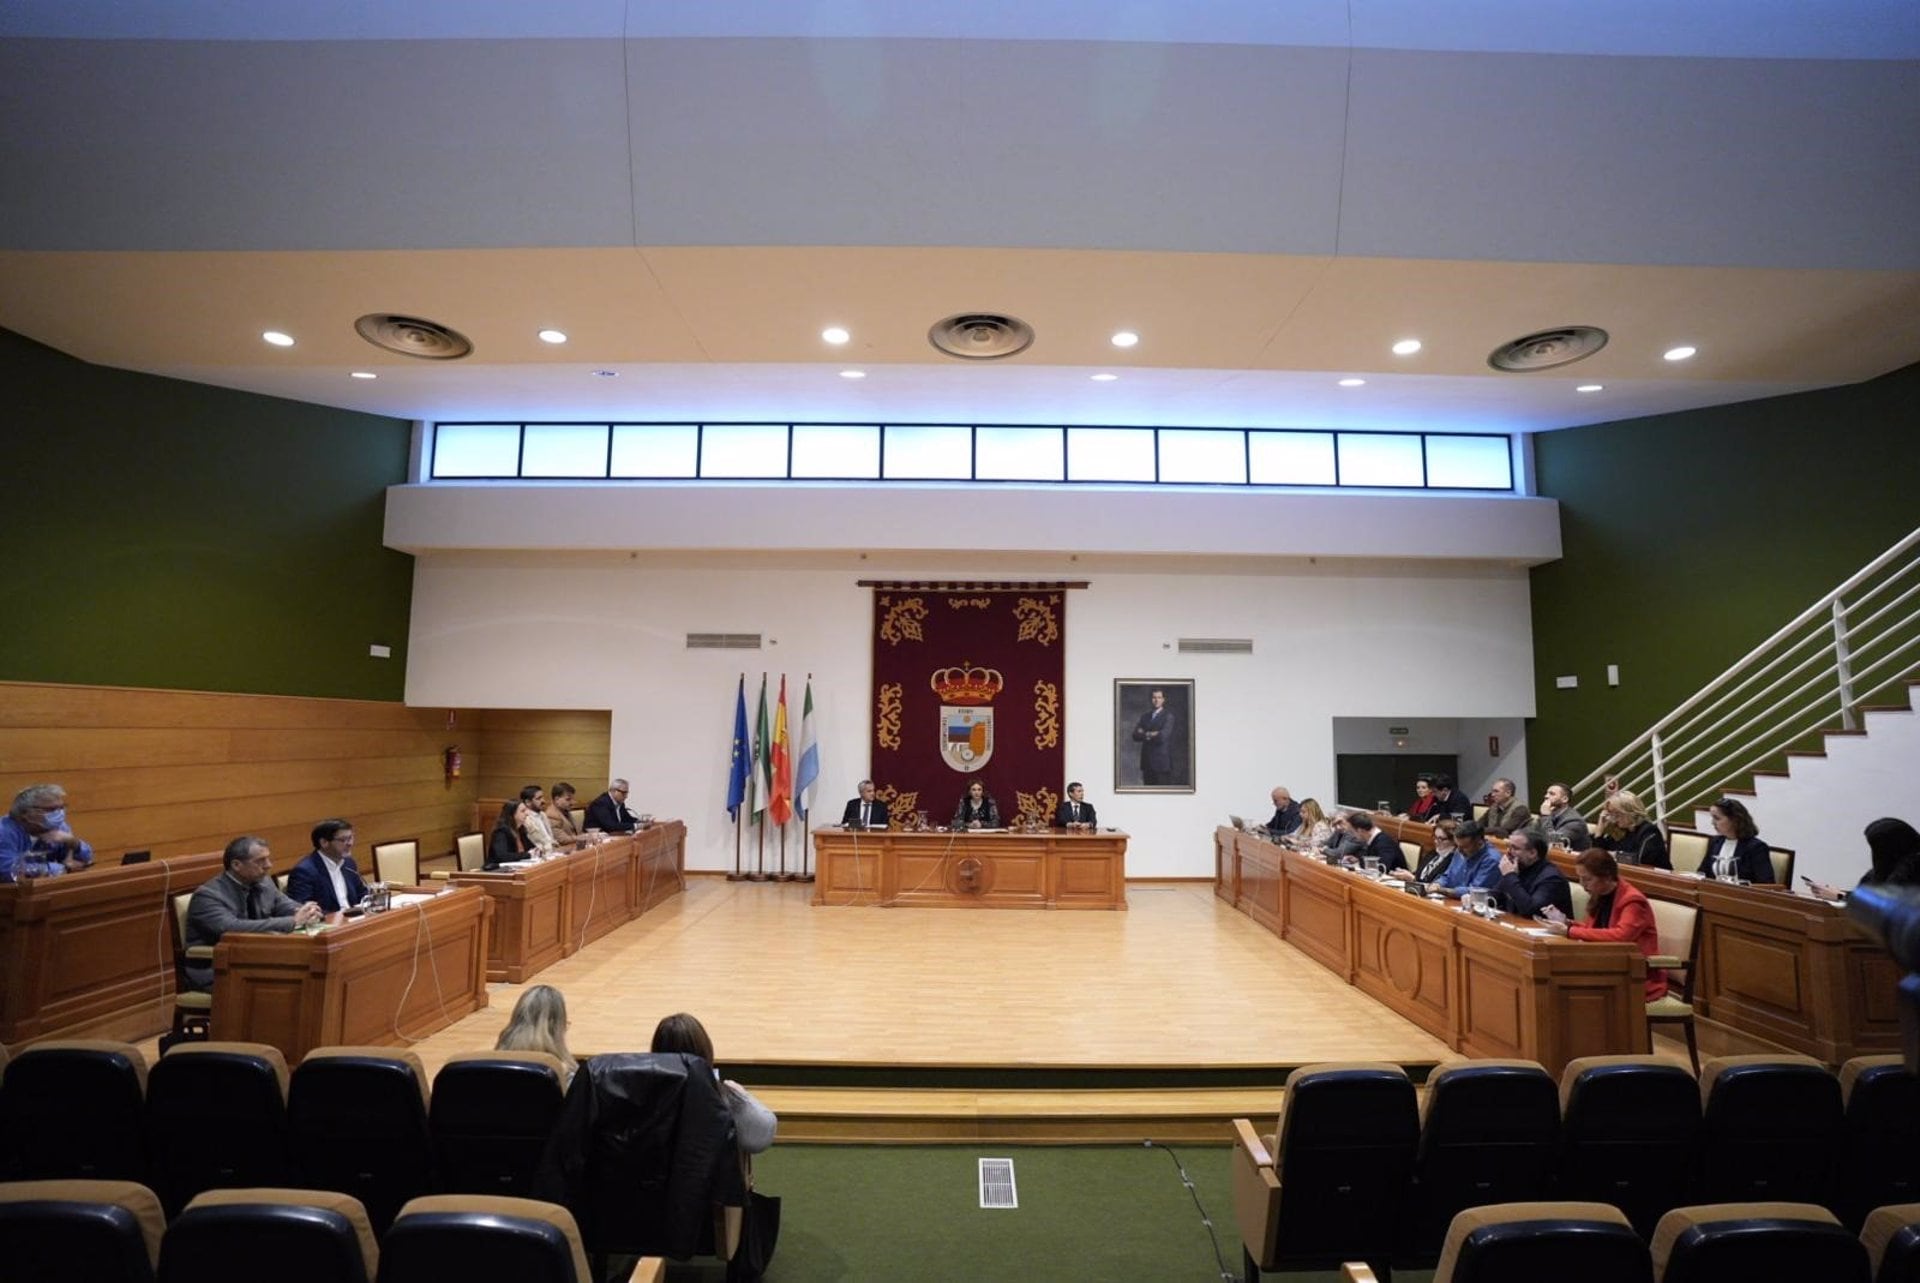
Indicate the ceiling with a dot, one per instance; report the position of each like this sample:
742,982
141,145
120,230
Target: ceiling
1269,195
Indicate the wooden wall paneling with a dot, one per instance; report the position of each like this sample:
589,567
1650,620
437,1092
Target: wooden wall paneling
517,747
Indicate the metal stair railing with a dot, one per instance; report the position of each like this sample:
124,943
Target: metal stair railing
1834,656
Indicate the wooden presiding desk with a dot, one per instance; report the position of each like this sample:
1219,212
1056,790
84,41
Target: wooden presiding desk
551,909
971,869
91,953
1788,968
1485,988
380,979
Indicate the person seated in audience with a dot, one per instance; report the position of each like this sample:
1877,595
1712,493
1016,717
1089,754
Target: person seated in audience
1314,827
1737,853
1895,849
1630,833
34,831
1616,911
1529,881
1342,839
1075,812
1286,813
1443,848
532,816
1377,843
1475,865
753,1123
539,1023
327,875
977,810
1559,824
560,814
1448,800
1424,802
508,841
866,811
1505,812
242,897
608,812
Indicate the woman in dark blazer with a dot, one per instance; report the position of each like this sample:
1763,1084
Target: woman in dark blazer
976,809
1738,852
1630,833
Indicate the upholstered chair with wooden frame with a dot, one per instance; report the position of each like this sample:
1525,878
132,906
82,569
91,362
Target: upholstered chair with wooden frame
1892,1239
469,856
80,1231
1679,929
1327,1188
192,1009
1687,848
397,863
1772,1129
1744,1242
288,1235
1880,1138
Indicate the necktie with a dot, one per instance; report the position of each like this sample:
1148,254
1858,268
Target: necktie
863,815
1076,812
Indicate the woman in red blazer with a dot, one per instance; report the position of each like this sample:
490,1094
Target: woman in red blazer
1616,911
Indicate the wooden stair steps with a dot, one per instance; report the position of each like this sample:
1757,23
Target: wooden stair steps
858,1115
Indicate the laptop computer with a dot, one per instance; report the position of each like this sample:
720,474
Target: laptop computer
1237,823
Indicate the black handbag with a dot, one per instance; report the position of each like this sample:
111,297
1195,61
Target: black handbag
759,1231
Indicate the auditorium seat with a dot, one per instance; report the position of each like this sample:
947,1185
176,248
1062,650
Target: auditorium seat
490,1117
1329,1187
1490,1133
1755,1242
287,1235
78,1231
1629,1135
43,1136
1892,1239
216,1119
470,1236
357,1124
1529,1242
1772,1129
1880,1145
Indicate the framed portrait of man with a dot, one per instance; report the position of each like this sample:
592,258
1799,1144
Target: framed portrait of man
1153,735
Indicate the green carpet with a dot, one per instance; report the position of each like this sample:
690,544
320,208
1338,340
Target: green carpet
880,1212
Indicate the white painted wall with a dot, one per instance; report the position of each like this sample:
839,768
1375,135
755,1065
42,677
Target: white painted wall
508,630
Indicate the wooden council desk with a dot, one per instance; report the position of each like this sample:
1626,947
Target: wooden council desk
91,954
379,980
1788,968
552,909
1484,988
971,870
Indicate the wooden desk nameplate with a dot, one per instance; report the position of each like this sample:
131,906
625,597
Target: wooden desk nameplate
1049,870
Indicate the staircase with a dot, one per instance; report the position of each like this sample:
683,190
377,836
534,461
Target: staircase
1817,724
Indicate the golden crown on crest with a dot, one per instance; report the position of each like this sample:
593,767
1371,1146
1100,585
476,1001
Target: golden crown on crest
964,685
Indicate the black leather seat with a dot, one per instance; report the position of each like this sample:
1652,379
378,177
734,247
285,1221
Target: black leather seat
79,1231
1749,1242
357,1124
491,1114
217,1119
1530,1242
44,1136
1772,1130
287,1235
1880,1138
456,1236
1489,1133
1629,1135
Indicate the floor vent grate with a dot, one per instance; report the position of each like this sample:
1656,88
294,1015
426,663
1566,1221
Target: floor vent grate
996,1183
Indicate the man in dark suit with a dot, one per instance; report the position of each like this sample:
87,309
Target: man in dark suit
328,876
1377,843
1076,812
242,898
1450,800
609,812
865,811
1154,734
1286,813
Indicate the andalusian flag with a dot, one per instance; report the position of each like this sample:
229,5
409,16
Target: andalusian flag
781,807
762,756
809,769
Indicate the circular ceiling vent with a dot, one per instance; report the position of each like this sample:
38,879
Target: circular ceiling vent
981,336
411,336
1548,349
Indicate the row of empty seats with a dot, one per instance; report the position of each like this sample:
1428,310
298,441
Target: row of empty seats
1636,1133
103,1231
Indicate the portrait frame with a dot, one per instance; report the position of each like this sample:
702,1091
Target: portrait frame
1132,701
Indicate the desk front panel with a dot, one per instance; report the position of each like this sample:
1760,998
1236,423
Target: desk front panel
970,870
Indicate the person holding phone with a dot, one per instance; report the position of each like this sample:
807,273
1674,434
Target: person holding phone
1616,911
1895,850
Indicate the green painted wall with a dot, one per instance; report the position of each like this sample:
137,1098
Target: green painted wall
1691,538
168,534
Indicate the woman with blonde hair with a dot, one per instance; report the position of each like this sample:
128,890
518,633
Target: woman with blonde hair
1314,826
539,1023
1630,833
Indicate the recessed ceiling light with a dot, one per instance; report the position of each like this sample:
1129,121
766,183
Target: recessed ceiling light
1680,353
606,374
1125,338
1589,387
1406,347
1353,383
853,374
278,339
1103,378
834,334
363,374
553,336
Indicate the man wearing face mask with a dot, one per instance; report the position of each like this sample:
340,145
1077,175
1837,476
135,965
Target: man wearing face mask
36,829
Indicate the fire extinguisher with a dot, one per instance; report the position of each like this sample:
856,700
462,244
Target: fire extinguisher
452,756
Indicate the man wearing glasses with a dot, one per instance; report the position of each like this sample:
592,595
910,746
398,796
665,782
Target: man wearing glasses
242,898
328,875
608,812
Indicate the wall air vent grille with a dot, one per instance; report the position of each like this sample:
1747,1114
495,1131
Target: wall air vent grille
1216,645
723,641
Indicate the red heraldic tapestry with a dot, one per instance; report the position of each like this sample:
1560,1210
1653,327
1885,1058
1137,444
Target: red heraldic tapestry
969,684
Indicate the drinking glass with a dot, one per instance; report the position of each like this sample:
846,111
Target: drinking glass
33,864
1373,867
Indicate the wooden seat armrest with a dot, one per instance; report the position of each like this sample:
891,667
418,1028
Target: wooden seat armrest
1357,1272
1667,962
441,875
649,1269
199,951
1248,1139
